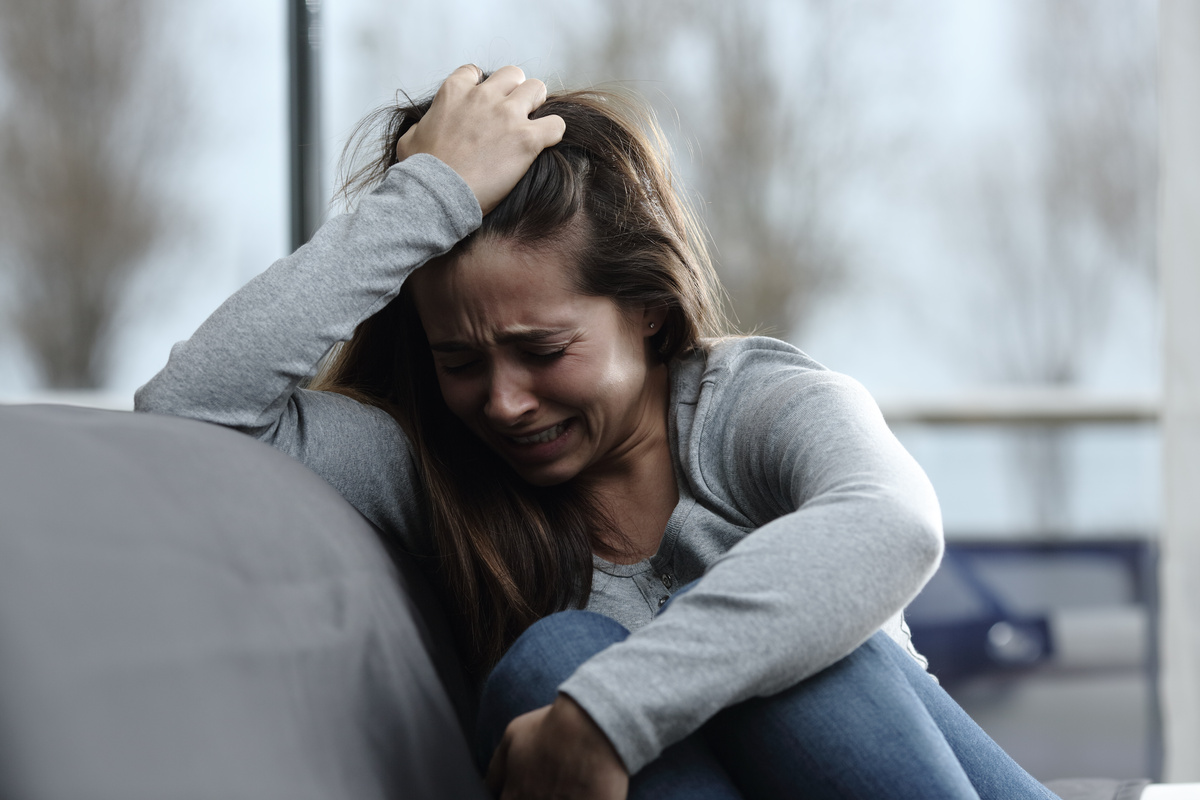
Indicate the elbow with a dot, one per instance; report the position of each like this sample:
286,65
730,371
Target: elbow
143,400
930,545
153,399
921,544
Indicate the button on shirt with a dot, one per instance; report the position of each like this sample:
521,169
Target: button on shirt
632,594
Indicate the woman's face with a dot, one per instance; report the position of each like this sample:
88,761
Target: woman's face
557,383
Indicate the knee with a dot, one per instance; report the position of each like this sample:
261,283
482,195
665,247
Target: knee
886,651
881,646
876,658
870,669
558,642
529,674
849,691
547,653
575,628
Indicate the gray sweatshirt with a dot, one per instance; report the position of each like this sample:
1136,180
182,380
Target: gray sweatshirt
810,524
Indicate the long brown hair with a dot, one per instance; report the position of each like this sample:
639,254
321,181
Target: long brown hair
509,552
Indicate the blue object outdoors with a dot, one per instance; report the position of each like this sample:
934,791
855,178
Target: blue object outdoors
1001,612
983,636
992,606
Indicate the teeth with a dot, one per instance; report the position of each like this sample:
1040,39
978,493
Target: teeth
548,435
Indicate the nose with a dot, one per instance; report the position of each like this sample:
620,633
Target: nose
510,395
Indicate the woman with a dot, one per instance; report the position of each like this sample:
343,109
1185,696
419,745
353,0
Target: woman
527,393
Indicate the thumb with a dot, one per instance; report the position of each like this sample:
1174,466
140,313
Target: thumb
550,130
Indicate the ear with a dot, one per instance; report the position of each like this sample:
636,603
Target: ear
653,318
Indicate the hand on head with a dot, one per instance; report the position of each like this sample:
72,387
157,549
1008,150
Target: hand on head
482,129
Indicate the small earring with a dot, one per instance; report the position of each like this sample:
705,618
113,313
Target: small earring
651,326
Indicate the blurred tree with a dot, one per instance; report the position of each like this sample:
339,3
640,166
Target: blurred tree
766,93
87,110
1065,221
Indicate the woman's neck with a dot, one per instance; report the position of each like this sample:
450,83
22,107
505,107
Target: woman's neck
637,493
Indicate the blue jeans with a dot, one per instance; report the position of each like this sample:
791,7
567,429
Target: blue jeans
874,725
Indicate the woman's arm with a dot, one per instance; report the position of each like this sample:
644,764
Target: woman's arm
242,367
854,532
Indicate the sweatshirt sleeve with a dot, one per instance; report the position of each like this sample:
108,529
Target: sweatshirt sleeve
242,367
846,531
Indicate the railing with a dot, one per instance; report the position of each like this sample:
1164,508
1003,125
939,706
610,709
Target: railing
1022,406
981,612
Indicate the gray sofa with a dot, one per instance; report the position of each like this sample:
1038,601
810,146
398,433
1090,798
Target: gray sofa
187,613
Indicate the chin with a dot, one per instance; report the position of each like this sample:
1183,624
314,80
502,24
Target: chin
544,477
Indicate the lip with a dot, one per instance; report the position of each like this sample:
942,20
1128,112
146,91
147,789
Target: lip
533,448
543,436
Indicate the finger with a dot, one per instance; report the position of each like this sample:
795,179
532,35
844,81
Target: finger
402,144
470,73
548,130
529,95
461,79
497,768
505,79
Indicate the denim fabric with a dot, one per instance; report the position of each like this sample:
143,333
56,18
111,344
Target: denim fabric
874,725
542,658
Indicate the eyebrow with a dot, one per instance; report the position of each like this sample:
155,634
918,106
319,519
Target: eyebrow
521,335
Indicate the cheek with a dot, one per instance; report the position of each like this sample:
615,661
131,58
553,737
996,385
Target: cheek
627,364
457,397
612,384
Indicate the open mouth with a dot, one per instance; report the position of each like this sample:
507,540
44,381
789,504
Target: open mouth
548,435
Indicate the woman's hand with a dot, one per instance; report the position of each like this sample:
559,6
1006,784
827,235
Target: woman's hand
483,130
556,751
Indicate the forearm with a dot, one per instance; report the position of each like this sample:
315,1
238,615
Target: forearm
765,617
244,362
848,530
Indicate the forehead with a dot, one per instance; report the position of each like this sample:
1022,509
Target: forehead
498,287
499,267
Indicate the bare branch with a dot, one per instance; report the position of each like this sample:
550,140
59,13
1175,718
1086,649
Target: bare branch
83,126
1058,223
775,132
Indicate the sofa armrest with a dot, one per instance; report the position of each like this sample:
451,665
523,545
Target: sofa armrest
185,612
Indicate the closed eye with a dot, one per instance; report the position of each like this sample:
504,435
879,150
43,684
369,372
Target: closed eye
449,365
455,369
550,356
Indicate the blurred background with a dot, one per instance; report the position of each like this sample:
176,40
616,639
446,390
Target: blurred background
952,201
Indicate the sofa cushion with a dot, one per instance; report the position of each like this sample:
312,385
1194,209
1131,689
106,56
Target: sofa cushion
185,612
